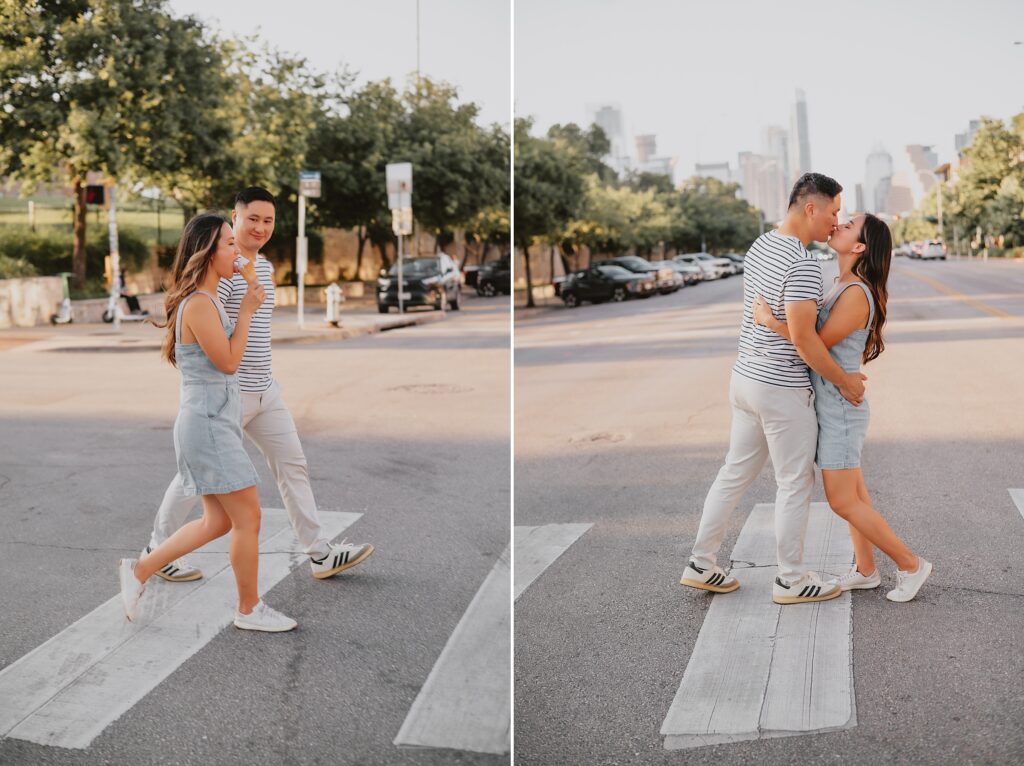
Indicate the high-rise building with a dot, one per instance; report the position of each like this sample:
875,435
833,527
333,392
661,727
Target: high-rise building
799,159
608,117
923,161
719,170
877,180
775,144
962,140
860,197
763,184
646,147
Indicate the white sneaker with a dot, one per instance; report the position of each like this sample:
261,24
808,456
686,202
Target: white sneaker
713,579
907,585
808,588
854,580
131,588
262,617
178,570
339,557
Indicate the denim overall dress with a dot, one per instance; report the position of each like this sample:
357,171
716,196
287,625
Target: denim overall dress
208,429
841,426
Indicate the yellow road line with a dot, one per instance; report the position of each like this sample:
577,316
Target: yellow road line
972,302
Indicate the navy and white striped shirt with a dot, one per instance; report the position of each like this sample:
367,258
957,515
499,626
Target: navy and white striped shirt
779,268
254,373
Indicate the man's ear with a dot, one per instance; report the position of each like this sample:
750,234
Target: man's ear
810,208
234,215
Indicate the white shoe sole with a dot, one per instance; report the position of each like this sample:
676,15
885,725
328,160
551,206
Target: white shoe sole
713,588
264,628
863,586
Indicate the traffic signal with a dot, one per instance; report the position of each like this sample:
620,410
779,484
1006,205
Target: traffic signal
94,195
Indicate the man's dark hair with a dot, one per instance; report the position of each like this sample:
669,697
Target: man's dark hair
254,193
813,184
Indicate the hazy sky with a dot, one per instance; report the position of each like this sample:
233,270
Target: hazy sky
706,77
464,42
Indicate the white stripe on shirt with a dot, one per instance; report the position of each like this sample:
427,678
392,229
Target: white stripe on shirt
254,373
778,268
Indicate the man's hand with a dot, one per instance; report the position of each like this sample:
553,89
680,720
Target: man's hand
852,388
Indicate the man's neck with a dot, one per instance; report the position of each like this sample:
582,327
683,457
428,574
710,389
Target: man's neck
792,226
249,255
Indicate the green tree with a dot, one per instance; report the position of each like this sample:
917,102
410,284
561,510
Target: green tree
548,193
707,213
114,86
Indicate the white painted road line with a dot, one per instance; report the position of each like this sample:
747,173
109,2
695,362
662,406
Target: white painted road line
1018,499
536,548
761,670
67,691
465,702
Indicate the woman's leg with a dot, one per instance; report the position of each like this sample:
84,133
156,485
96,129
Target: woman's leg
243,508
214,523
844,498
863,550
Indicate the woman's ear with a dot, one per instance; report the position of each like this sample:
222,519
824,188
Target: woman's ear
859,248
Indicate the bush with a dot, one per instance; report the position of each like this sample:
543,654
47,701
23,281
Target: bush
16,268
50,252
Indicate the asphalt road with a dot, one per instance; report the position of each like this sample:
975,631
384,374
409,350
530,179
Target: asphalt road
409,428
622,421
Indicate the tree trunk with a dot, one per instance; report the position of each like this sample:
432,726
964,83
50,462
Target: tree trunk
529,278
78,254
361,237
461,252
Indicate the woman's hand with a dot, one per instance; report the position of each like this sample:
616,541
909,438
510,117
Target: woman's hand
762,312
254,298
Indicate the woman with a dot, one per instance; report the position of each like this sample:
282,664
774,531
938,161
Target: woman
207,349
850,324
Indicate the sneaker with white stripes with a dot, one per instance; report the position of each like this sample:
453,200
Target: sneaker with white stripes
854,580
909,583
131,588
178,570
263,618
713,579
808,588
339,557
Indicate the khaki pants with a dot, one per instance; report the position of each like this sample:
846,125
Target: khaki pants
766,421
268,423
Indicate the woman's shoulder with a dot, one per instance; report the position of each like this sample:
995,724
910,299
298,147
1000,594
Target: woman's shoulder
852,299
200,305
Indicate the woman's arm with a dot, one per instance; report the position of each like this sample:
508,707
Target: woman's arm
203,319
850,313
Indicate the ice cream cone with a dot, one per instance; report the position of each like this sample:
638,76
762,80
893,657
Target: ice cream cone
247,269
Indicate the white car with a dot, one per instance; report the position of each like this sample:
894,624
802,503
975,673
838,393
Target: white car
934,249
709,271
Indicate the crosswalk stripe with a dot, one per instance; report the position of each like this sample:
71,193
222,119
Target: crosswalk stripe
465,702
536,548
68,690
1017,495
761,670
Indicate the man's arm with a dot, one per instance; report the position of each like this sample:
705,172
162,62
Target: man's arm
802,317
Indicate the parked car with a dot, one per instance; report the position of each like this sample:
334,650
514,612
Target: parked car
495,277
728,267
427,281
664,276
606,282
903,250
737,260
935,249
711,267
687,274
916,248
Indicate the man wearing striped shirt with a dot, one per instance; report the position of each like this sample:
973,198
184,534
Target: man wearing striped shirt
772,398
265,417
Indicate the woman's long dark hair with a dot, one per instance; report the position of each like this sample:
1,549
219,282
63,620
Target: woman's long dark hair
873,269
198,243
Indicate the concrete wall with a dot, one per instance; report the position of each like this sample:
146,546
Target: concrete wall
29,302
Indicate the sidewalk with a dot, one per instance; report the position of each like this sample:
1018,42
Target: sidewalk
358,317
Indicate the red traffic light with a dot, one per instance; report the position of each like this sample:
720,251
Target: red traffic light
94,195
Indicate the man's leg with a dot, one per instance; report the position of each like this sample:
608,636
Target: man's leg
748,451
270,426
791,428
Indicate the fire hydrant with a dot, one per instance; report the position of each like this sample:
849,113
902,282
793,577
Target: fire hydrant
335,297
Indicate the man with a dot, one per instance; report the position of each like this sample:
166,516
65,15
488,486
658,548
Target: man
772,398
265,417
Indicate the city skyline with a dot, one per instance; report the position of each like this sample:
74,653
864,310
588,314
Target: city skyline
710,99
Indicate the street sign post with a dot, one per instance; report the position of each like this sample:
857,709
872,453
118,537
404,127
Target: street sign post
398,176
309,186
115,258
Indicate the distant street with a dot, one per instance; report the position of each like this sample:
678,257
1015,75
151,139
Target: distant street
407,438
622,421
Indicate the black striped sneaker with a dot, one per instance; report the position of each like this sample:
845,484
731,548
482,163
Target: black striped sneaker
178,570
808,588
713,579
339,557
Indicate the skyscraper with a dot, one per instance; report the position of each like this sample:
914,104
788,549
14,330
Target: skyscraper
609,118
877,180
799,160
